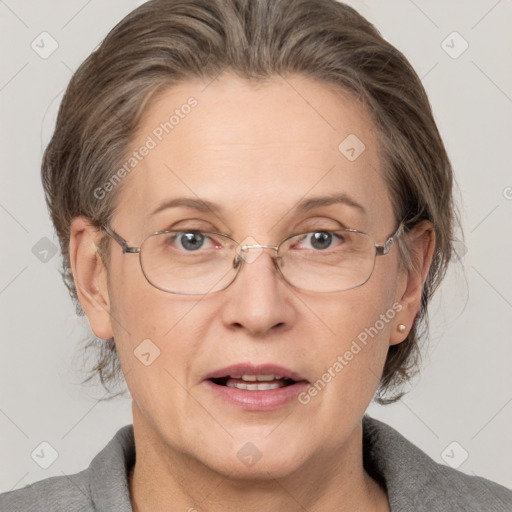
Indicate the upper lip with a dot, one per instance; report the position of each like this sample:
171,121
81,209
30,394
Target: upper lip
255,369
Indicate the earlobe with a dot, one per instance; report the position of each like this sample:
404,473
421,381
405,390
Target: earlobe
399,333
421,245
90,276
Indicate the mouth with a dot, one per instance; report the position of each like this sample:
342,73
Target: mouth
256,387
254,382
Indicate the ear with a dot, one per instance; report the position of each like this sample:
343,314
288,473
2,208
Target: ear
421,242
90,276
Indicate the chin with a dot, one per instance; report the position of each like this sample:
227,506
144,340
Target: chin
259,471
258,459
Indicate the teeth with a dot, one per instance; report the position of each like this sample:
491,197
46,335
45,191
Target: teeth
254,378
255,387
267,377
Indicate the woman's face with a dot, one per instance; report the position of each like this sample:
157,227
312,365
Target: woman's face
257,153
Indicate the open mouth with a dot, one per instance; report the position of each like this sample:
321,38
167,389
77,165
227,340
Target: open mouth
256,387
253,382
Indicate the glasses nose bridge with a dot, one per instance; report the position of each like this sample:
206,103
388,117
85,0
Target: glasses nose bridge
258,246
242,252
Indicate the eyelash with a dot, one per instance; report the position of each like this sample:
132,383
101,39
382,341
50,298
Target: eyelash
212,229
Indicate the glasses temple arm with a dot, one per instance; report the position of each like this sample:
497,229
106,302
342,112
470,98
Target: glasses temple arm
121,241
384,249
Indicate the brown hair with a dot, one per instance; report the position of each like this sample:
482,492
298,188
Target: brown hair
168,41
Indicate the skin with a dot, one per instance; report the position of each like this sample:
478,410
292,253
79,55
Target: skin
255,151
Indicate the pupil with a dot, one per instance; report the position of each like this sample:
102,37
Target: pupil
321,240
192,241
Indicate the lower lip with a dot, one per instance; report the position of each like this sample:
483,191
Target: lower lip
265,400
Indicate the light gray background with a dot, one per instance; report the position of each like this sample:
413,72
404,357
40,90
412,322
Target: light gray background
464,393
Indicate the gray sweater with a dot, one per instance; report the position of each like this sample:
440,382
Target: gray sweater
413,480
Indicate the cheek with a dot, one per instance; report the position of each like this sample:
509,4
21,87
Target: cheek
158,343
351,355
153,330
138,308
362,313
348,359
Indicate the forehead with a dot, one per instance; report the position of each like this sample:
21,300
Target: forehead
255,149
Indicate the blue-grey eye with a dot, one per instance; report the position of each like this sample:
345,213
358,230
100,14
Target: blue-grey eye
321,240
191,241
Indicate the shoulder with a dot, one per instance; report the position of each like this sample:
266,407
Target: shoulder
103,486
416,482
58,493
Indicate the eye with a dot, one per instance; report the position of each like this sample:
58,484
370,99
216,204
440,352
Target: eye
191,241
319,240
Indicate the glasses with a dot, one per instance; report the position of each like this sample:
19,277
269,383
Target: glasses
193,262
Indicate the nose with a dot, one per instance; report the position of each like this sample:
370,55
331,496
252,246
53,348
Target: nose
258,300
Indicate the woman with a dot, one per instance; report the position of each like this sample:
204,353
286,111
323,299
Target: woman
254,207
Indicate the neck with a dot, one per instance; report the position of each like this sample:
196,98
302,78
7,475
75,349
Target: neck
165,479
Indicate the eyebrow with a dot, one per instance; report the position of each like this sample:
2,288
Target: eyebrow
316,202
197,204
303,206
